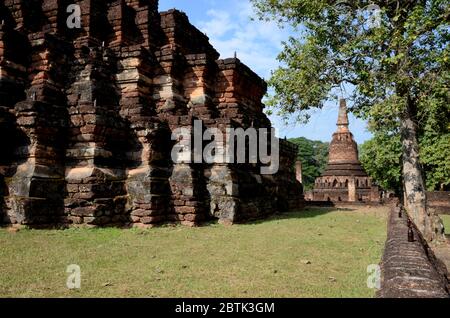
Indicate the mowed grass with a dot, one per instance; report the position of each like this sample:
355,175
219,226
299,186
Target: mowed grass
262,259
446,220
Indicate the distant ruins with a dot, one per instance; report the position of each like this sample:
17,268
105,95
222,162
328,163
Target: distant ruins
86,117
344,179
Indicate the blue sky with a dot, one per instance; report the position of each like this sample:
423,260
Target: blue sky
230,29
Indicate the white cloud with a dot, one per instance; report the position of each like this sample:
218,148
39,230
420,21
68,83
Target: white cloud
219,24
257,43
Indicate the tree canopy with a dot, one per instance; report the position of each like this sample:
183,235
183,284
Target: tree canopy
381,52
391,58
314,158
381,156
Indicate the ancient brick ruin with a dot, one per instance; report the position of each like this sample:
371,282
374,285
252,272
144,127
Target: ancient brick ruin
344,179
86,117
439,201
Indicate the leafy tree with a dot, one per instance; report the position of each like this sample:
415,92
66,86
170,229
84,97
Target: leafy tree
314,158
434,139
381,158
390,55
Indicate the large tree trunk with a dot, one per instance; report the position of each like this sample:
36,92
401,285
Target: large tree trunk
415,193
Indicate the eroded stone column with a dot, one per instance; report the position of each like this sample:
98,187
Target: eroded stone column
36,186
299,171
224,192
95,159
352,190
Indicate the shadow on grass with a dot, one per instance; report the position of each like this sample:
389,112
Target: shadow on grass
307,213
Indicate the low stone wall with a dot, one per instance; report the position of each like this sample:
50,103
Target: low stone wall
341,204
410,269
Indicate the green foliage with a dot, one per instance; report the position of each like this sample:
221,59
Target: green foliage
435,142
314,158
435,158
398,66
402,58
381,158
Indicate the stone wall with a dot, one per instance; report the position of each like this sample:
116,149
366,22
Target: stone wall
90,112
410,269
440,201
345,189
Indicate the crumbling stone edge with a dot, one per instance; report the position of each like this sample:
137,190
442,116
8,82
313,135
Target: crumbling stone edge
410,269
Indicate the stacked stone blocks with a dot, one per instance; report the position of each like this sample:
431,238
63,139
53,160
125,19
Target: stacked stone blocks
90,113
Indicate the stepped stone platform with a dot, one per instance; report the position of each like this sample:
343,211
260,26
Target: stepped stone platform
87,115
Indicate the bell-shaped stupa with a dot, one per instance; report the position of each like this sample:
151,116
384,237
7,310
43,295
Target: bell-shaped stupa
344,178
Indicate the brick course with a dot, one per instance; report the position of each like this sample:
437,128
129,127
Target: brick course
88,114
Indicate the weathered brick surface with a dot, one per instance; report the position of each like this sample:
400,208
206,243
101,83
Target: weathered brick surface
89,115
410,269
439,201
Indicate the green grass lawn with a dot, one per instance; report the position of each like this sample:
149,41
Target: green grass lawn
261,259
446,220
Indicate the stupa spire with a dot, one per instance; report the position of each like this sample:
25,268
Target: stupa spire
342,122
344,179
